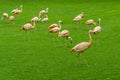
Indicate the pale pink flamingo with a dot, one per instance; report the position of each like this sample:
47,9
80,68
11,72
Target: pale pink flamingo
44,20
65,34
12,18
35,19
27,27
53,26
17,11
97,29
42,12
56,29
78,17
90,22
83,46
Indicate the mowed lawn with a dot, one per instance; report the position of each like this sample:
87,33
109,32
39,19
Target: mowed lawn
44,58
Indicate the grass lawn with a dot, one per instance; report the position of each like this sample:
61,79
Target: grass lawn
43,58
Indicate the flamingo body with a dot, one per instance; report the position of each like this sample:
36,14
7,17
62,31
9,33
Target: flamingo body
53,26
90,22
35,19
64,33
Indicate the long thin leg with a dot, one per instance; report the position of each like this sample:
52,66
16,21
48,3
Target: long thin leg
57,39
24,35
28,36
2,18
77,59
84,59
65,41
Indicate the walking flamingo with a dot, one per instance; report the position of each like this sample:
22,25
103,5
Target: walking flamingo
27,27
83,46
18,11
90,22
78,17
42,12
56,29
53,26
65,34
35,19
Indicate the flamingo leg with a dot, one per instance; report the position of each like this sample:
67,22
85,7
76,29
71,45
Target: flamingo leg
28,36
57,39
65,41
24,35
2,18
84,59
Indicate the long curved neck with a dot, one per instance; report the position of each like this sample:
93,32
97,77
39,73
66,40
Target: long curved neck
21,9
34,25
46,10
90,41
59,25
99,21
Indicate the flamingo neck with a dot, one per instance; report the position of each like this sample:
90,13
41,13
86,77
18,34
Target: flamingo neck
21,9
90,41
59,25
99,22
46,10
34,25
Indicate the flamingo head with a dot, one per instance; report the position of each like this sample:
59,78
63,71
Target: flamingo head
21,6
90,31
60,21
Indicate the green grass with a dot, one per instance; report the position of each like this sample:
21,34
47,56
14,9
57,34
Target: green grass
43,58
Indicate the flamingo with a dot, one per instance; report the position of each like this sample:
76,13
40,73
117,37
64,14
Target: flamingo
56,29
11,18
78,17
90,22
83,46
97,29
65,34
44,20
53,26
42,12
27,27
18,11
5,15
35,19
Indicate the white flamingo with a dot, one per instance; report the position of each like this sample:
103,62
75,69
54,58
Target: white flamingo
5,15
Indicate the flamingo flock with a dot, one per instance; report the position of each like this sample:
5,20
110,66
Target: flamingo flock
56,28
